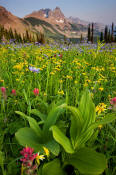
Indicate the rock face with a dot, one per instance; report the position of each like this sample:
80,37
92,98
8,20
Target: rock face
52,16
58,21
52,22
9,20
47,13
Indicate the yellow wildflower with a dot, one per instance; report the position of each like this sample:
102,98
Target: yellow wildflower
1,80
100,126
61,92
17,79
69,77
60,81
85,85
76,82
47,153
39,157
52,73
100,108
101,88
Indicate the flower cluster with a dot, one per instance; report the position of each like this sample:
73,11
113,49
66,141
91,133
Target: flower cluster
100,108
30,160
34,69
36,91
13,92
28,156
113,103
27,161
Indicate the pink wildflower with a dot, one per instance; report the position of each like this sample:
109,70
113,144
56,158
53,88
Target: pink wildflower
13,92
28,156
113,101
3,90
36,91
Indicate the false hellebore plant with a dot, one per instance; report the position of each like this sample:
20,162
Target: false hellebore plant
48,133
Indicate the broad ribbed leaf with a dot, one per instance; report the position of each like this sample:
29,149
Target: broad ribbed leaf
62,139
76,124
107,119
88,161
27,137
39,114
53,147
53,116
87,109
33,124
52,168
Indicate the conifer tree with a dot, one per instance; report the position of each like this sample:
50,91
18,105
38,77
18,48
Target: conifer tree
92,31
112,36
109,36
106,34
89,33
81,39
101,37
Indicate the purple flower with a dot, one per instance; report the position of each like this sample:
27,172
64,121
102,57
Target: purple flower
34,69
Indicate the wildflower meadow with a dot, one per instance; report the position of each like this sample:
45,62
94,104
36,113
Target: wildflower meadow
58,109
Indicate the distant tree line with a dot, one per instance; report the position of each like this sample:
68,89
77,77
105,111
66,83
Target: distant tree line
108,36
10,35
90,33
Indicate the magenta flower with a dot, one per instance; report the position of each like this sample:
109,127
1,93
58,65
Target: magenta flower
36,91
30,166
13,92
3,90
28,156
113,101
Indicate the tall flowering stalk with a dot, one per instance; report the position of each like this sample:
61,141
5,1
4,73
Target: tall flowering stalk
31,161
113,103
28,165
3,91
36,91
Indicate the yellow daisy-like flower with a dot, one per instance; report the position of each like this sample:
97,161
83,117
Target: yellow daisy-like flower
100,108
101,88
76,82
1,80
39,157
61,92
47,153
100,126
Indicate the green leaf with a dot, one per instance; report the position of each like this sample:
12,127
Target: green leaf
52,117
53,147
39,114
33,124
76,124
27,137
88,161
107,119
87,109
52,168
62,139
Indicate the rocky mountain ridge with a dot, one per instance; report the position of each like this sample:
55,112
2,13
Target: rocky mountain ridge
51,22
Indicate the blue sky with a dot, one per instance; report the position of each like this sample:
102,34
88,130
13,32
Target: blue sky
103,11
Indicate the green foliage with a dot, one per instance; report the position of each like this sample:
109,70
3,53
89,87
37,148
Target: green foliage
53,168
63,128
87,161
62,139
40,136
